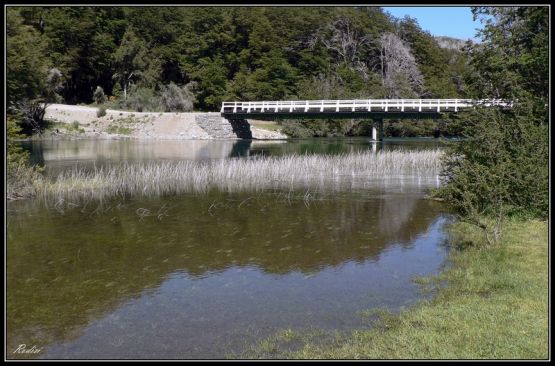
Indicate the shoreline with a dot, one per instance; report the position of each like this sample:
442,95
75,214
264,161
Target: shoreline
76,122
491,302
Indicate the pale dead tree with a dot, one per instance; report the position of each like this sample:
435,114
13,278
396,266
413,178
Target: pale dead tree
400,73
362,69
322,87
345,40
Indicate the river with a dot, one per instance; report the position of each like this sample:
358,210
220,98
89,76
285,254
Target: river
205,276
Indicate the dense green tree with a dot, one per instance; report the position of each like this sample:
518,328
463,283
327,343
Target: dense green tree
81,41
501,168
27,59
432,60
129,60
212,81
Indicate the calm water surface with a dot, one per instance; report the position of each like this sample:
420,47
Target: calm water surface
58,155
205,276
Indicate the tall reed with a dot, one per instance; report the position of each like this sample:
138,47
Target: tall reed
316,172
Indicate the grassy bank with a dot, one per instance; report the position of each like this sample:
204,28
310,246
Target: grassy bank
495,306
311,172
266,125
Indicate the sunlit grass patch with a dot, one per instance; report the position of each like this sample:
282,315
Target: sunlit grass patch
119,130
288,343
270,126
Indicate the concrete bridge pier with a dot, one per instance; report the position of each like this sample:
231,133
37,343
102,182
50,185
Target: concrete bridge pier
377,129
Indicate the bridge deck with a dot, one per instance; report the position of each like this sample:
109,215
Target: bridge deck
392,108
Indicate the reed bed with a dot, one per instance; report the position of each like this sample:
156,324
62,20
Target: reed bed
254,174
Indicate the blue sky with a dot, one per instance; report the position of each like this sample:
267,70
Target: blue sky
455,21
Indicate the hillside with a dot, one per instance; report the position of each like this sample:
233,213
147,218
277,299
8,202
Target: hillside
184,59
450,42
258,53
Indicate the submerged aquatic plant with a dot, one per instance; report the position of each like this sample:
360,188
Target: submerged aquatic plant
319,173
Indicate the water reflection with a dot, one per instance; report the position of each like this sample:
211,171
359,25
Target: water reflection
342,145
194,277
58,155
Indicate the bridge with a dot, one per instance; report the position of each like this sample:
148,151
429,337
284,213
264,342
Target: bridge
376,109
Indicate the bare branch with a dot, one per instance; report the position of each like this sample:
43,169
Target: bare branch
345,40
400,73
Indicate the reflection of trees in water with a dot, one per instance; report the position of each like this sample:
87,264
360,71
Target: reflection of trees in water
35,150
334,146
308,146
64,270
122,150
241,148
58,154
397,216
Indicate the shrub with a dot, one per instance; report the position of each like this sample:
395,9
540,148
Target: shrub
21,176
176,99
30,115
314,128
13,130
142,99
117,91
54,85
500,168
295,129
101,111
98,96
413,128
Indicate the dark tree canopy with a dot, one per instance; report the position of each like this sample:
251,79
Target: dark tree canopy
231,53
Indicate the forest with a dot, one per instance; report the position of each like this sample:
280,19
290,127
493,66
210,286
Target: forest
140,58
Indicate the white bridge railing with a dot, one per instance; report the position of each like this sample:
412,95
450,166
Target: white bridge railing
358,105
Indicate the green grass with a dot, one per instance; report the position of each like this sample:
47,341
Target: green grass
129,119
270,126
119,130
495,306
74,126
